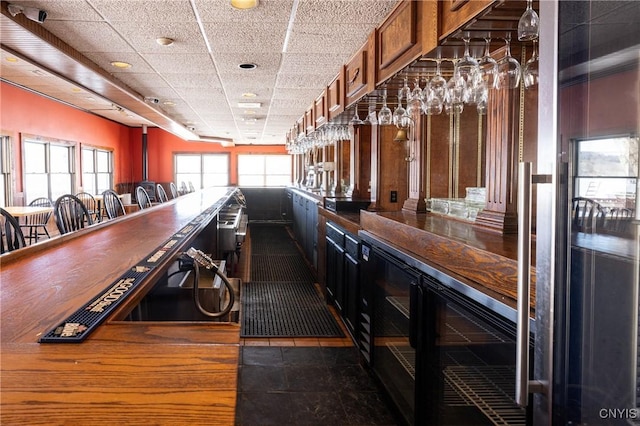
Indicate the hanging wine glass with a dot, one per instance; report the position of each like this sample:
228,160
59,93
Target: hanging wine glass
530,72
467,69
399,112
488,66
509,69
414,104
454,97
529,24
355,121
432,104
385,115
437,85
405,91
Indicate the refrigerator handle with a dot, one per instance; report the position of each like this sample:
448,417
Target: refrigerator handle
523,385
415,297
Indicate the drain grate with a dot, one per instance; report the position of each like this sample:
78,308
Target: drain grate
285,309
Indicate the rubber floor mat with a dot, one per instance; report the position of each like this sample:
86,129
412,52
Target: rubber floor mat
266,267
285,309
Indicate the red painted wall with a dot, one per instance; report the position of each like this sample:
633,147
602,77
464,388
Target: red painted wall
24,112
162,146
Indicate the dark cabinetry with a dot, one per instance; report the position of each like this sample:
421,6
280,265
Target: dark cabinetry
343,274
305,225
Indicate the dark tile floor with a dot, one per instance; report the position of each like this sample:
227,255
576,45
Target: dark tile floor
307,386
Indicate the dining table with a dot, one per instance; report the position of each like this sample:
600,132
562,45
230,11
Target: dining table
21,211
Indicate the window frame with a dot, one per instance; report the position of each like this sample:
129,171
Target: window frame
202,155
265,174
48,143
95,172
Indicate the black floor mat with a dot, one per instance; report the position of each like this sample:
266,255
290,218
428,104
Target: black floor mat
285,309
280,300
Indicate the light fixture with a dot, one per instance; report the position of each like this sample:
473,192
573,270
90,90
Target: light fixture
248,66
244,4
11,59
401,136
164,41
249,95
121,64
252,105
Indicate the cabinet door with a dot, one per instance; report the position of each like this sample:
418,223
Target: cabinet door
352,286
339,296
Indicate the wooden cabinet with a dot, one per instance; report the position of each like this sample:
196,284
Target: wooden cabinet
397,40
454,14
309,123
335,96
320,109
360,72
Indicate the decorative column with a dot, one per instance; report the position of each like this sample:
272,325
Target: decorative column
501,162
417,167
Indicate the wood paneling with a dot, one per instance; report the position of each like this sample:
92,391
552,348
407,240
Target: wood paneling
456,13
397,39
320,109
335,95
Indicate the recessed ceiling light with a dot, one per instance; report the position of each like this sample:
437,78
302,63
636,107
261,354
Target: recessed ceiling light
249,95
248,66
164,41
169,103
76,89
249,105
249,112
11,59
244,4
121,65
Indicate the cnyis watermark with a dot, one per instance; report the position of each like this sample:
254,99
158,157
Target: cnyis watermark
619,413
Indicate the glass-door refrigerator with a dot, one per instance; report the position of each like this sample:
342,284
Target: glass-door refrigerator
588,218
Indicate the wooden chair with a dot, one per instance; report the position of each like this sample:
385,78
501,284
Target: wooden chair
36,224
112,204
142,197
174,190
617,221
71,214
585,214
91,204
12,237
162,194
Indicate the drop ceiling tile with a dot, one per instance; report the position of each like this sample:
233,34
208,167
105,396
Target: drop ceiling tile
303,81
192,80
142,36
229,37
103,38
180,63
328,38
221,11
104,59
145,10
64,10
340,11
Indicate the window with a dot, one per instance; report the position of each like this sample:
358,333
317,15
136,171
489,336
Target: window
5,171
202,170
607,171
97,170
49,169
264,170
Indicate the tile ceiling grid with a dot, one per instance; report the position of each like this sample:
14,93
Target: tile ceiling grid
206,86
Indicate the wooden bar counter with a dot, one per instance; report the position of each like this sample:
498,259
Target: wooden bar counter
124,372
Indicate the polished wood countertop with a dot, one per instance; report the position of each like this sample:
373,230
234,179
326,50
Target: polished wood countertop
124,372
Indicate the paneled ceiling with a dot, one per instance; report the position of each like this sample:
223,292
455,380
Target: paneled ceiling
298,47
